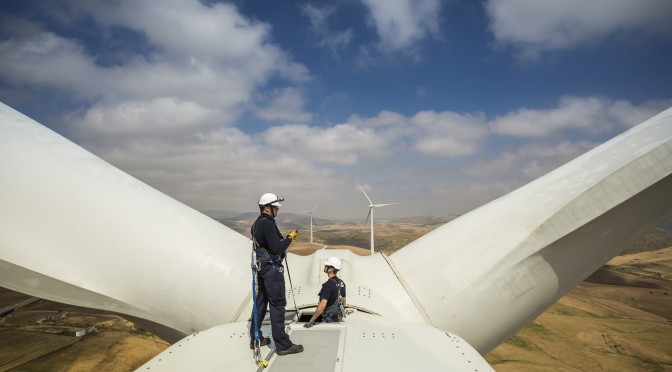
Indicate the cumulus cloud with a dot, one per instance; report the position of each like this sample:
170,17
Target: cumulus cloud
170,113
593,115
542,136
48,60
535,26
544,139
164,111
285,105
158,118
332,40
384,118
209,55
340,144
401,23
440,134
448,133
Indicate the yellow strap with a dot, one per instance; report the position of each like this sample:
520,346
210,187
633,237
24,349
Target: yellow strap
263,363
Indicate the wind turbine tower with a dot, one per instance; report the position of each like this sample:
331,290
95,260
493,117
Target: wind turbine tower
312,217
370,215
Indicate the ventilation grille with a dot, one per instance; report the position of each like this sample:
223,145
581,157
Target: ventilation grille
297,291
379,335
363,291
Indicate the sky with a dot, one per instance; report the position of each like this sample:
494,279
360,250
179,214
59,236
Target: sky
440,105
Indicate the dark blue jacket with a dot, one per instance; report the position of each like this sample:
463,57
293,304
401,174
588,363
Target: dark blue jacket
267,235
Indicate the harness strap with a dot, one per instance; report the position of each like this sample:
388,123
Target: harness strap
267,257
256,342
337,307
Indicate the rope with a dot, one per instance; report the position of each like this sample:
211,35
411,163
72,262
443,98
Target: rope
256,343
296,309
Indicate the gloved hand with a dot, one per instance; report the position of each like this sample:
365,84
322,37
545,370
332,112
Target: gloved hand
309,324
292,234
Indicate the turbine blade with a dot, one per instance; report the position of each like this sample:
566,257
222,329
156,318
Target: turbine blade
367,219
384,205
367,197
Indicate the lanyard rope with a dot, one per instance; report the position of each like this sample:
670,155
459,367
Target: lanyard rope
256,342
296,309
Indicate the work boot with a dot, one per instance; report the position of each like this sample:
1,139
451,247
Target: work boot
262,342
291,350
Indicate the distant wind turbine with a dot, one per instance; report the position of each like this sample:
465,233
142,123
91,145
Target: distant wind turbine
370,215
312,217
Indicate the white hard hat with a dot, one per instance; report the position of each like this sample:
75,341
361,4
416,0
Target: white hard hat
270,198
334,262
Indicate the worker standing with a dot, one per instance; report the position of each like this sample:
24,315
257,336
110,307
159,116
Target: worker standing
271,248
332,296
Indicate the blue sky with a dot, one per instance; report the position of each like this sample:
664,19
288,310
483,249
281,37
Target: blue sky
440,105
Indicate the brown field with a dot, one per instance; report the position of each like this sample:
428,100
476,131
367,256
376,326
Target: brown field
619,319
307,248
111,343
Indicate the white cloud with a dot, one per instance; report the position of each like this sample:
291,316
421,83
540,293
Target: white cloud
186,29
492,168
285,105
340,144
384,118
591,115
168,115
448,133
45,59
332,40
442,134
164,112
209,55
544,139
132,120
401,23
536,26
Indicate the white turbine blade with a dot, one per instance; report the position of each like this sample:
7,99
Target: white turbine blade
113,212
552,238
313,210
384,205
367,197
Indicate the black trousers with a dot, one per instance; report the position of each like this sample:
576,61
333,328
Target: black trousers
271,293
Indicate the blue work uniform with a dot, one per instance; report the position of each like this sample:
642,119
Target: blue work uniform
271,250
332,312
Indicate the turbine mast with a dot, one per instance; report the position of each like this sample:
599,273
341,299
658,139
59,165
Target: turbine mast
371,212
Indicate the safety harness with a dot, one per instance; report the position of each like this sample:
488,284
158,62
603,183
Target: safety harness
256,343
257,261
337,307
275,261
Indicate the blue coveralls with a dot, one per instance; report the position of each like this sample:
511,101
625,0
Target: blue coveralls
271,290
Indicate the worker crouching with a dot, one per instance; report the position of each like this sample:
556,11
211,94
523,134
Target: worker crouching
331,306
